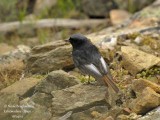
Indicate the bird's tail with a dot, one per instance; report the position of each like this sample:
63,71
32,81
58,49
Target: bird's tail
110,83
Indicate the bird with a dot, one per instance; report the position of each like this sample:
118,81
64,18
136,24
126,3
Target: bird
88,60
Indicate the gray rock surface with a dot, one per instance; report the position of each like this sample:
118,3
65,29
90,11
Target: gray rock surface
77,98
90,114
56,80
49,57
6,101
42,99
152,115
34,111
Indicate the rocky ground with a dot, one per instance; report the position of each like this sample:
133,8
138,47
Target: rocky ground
41,83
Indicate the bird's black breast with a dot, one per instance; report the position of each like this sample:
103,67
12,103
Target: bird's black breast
86,55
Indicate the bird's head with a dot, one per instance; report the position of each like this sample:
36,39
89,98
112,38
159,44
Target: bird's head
78,40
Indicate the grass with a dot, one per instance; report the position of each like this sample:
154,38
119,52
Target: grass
9,11
10,73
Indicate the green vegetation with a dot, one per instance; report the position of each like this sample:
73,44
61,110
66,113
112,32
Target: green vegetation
86,79
65,9
150,74
10,12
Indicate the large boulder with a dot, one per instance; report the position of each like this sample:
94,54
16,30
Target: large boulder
77,98
56,80
49,57
33,111
6,102
135,60
42,99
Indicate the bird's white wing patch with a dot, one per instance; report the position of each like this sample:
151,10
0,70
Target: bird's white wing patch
93,69
103,64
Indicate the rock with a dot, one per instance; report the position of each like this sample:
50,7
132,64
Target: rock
152,115
134,62
118,16
49,57
97,9
39,113
132,116
147,101
20,53
64,117
24,87
109,118
42,5
90,114
5,48
42,99
77,98
34,111
56,80
112,113
139,85
6,101
122,117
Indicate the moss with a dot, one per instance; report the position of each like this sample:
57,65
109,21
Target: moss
39,76
86,79
133,36
150,41
149,73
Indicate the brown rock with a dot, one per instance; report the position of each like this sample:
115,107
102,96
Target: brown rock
49,57
148,100
109,118
118,16
24,87
135,60
139,85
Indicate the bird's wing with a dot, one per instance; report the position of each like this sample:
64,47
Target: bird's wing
90,69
